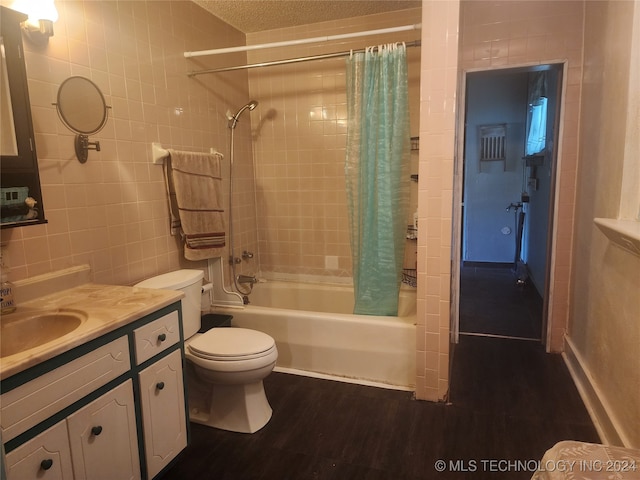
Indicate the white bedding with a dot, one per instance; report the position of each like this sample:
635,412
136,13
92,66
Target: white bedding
570,460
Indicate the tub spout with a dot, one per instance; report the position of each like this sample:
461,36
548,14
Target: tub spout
247,279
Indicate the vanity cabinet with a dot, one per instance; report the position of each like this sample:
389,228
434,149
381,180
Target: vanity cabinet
47,456
113,408
161,392
103,437
163,412
99,441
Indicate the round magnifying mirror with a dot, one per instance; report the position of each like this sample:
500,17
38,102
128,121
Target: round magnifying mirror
81,106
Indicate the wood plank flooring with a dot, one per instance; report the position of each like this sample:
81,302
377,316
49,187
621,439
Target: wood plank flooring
509,401
491,303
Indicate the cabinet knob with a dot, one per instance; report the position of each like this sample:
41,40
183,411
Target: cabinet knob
96,430
46,464
162,337
160,385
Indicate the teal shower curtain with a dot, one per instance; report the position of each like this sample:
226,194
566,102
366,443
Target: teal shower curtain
377,174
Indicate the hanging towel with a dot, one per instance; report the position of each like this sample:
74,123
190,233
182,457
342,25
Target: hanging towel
194,188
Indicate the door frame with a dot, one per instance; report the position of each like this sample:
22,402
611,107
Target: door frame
458,187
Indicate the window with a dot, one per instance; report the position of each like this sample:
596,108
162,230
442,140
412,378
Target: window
537,133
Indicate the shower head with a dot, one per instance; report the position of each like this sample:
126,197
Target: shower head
233,120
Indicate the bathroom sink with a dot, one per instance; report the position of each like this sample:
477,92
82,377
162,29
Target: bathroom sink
23,331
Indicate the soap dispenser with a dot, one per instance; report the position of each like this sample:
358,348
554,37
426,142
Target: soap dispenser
7,302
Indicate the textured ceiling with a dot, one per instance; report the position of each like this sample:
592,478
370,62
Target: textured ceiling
250,16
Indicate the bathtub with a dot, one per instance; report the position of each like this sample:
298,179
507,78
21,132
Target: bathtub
317,335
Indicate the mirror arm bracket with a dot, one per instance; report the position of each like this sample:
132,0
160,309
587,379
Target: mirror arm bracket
83,145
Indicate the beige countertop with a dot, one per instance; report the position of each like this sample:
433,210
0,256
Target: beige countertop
104,308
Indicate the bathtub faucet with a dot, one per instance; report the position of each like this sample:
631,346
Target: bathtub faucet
247,279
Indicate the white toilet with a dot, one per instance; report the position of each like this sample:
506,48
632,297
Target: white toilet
225,366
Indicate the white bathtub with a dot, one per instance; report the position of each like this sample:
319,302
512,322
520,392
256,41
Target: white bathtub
317,334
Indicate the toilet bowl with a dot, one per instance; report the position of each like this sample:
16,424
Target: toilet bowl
225,366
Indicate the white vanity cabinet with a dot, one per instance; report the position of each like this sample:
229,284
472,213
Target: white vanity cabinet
113,408
163,411
46,456
103,437
162,395
99,441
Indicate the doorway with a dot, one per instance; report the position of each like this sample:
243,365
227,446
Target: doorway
506,184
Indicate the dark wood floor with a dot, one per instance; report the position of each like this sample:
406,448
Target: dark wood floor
492,303
509,401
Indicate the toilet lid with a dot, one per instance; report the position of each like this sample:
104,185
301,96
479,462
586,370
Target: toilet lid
230,343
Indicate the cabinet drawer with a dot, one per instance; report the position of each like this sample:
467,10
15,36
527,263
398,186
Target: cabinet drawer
35,401
45,456
156,336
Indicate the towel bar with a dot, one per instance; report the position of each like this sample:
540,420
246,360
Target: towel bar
159,154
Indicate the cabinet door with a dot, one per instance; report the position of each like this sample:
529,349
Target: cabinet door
46,456
163,411
103,437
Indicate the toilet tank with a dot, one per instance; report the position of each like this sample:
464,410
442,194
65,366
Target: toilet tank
188,281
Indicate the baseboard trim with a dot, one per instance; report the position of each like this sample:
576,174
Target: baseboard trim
492,335
472,263
609,429
336,378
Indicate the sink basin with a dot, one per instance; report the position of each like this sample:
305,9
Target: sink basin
23,331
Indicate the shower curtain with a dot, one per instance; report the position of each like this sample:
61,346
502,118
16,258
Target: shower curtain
377,174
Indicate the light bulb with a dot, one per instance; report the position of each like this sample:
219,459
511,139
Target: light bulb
37,10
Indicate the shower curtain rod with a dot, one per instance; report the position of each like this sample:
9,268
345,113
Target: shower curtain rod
194,73
302,41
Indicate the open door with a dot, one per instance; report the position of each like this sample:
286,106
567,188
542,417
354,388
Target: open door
504,185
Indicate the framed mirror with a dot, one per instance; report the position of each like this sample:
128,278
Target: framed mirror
81,106
8,141
83,110
20,192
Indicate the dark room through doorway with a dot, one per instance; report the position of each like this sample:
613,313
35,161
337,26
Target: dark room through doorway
510,149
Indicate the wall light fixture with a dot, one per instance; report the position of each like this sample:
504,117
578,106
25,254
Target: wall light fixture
39,26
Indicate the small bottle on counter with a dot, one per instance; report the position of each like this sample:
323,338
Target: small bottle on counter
7,302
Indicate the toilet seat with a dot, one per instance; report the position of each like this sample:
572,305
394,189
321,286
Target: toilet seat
231,344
